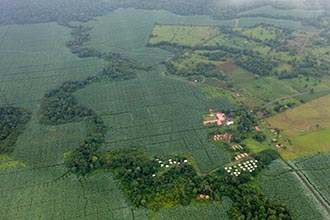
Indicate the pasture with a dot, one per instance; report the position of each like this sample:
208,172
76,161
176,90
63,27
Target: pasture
283,186
306,127
182,35
304,119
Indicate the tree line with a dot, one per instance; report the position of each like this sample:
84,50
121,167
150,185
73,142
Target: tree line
12,122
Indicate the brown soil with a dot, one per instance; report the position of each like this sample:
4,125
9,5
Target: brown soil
228,67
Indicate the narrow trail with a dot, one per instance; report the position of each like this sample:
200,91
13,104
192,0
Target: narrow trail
293,95
315,194
237,22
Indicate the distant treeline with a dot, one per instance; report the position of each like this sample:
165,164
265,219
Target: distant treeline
41,11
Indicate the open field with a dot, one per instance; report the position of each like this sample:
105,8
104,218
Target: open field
304,119
283,186
306,127
183,35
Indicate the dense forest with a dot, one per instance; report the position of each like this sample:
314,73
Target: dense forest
12,121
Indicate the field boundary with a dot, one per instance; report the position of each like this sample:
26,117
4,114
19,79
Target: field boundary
310,188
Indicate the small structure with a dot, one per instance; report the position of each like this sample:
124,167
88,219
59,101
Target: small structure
237,147
257,128
223,137
241,156
215,118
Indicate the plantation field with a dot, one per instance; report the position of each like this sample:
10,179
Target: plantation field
271,11
127,31
283,186
316,169
214,211
162,114
183,35
34,60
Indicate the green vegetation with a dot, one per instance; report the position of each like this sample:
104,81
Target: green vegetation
283,186
182,35
302,126
163,183
88,102
315,168
273,59
12,123
211,211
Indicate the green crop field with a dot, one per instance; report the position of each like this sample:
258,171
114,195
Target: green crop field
127,31
163,114
159,111
316,169
214,211
283,186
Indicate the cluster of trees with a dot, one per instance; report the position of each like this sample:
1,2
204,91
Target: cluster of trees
86,158
80,35
258,64
149,185
200,69
59,107
12,121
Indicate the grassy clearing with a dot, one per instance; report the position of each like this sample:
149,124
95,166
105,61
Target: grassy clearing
306,127
182,35
262,33
308,144
303,119
255,146
280,184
